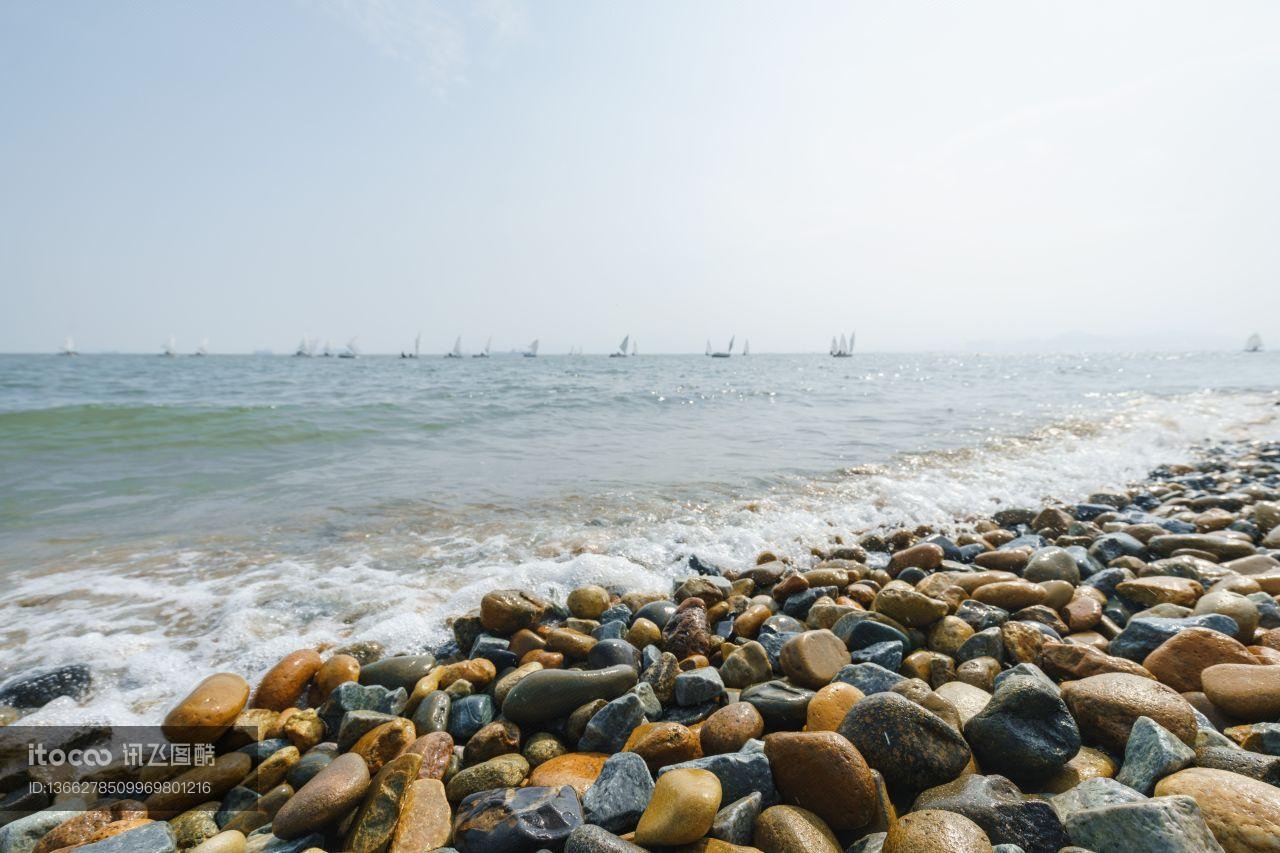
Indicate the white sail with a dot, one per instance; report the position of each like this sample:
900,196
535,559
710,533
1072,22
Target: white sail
328,348
622,347
171,346
708,346
851,334
1254,344
69,347
634,348
488,344
304,348
844,345
731,340
457,345
834,346
746,347
533,348
203,349
417,345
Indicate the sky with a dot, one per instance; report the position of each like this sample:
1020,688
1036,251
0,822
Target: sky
997,175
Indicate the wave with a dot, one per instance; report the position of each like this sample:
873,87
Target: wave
151,624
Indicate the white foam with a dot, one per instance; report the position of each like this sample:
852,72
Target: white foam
151,626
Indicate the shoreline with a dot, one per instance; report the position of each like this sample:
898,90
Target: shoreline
1049,675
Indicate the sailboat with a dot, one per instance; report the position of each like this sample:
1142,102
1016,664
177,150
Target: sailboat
728,352
635,350
417,347
328,350
307,348
484,353
845,347
622,348
456,352
708,346
532,351
203,349
352,351
746,348
170,348
68,347
1254,344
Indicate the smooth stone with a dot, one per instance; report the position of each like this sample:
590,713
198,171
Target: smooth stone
1151,754
1231,604
912,748
908,607
1070,661
1180,660
228,841
1050,564
822,772
610,727
24,833
1244,691
283,684
682,808
619,794
1161,589
199,784
594,839
505,771
352,696
333,792
549,693
1092,793
1025,732
746,665
1143,634
739,773
791,829
1173,824
987,643
869,677
860,629
967,699
734,823
657,612
432,714
813,658
40,687
1242,813
498,738
1105,707
578,770
516,820
699,686
262,841
588,602
936,831
663,743
541,748
505,611
687,633
384,743
729,728
376,819
782,705
1010,595
1003,812
357,724
425,821
1264,768
887,655
1088,763
828,707
208,710
401,671
612,652
153,837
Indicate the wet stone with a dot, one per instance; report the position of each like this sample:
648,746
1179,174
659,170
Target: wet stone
351,696
620,793
516,820
782,705
739,773
1172,824
609,727
1151,754
912,748
734,823
868,677
699,686
1092,793
469,715
1025,731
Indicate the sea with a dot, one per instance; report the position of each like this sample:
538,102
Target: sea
165,518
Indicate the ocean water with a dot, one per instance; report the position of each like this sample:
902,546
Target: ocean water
164,518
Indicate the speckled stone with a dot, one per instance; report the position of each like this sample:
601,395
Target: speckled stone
912,748
516,820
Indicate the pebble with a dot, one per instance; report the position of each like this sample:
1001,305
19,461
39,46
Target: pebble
729,728
1151,754
791,829
912,748
822,772
1003,812
399,672
664,743
506,611
699,686
1106,706
739,773
619,794
229,841
1244,691
1179,661
782,705
908,607
546,694
285,682
594,839
425,821
516,820
208,710
588,602
146,837
578,770
1162,825
1243,813
828,707
376,819
505,771
333,792
1025,731
746,665
734,823
681,810
936,831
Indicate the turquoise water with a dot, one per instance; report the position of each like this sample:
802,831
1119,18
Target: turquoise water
194,512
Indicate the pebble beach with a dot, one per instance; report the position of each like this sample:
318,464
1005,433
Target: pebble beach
1094,676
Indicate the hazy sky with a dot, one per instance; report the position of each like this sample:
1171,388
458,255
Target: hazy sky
935,175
